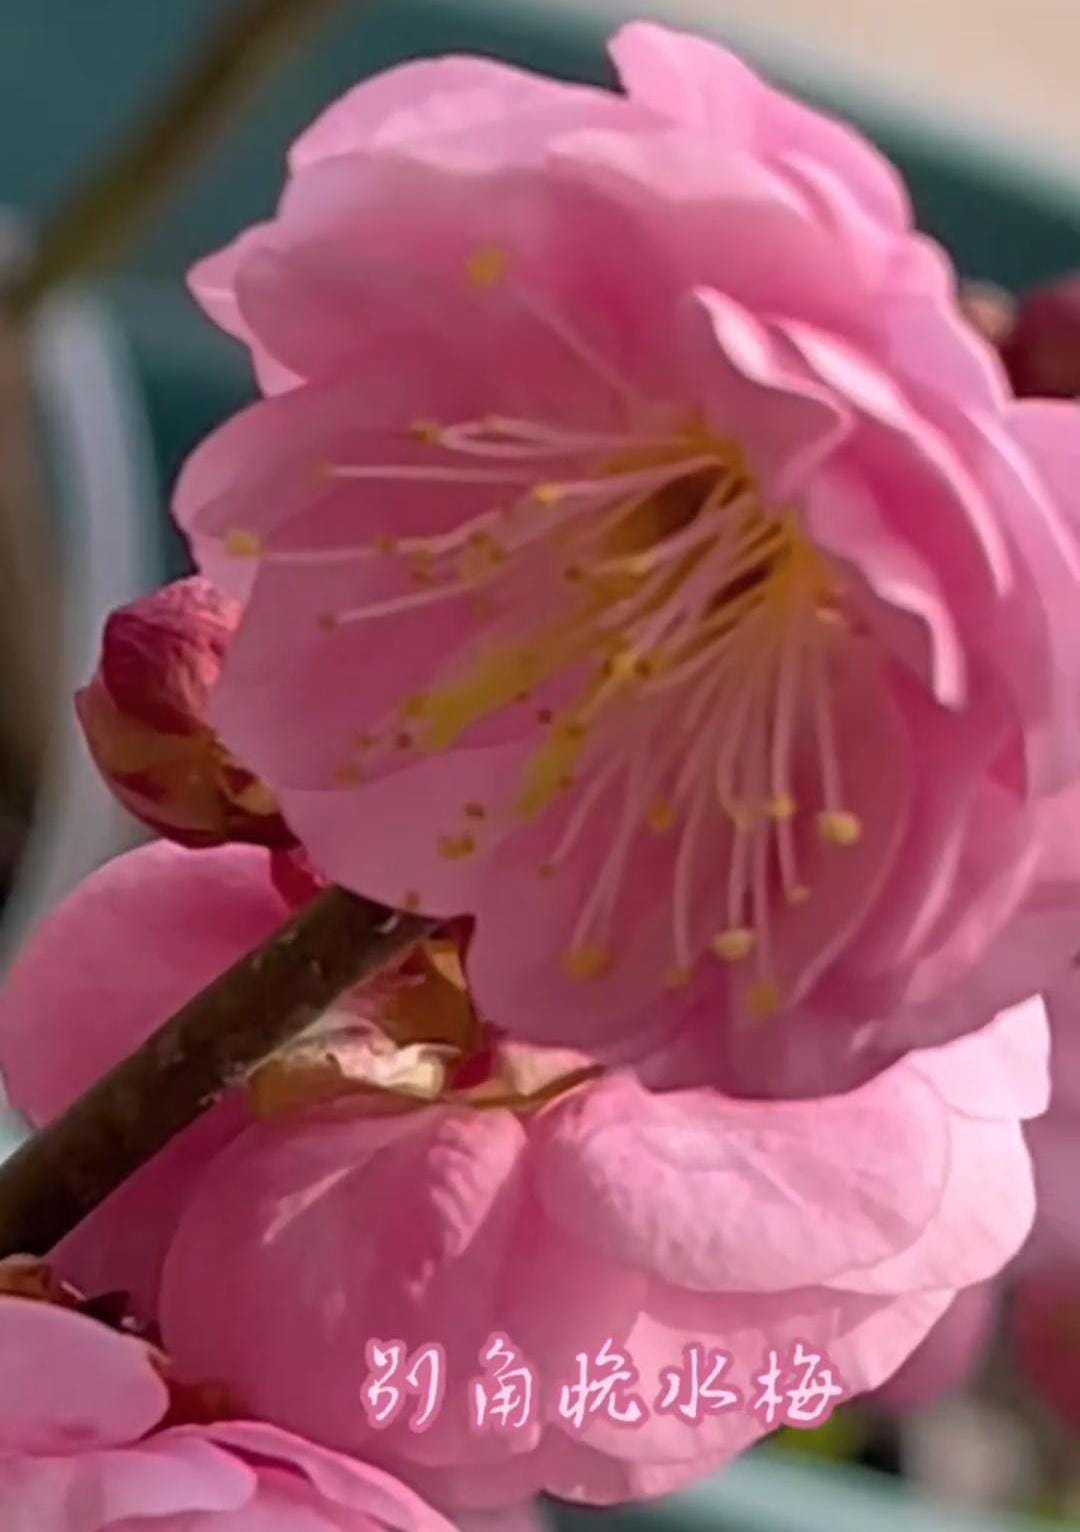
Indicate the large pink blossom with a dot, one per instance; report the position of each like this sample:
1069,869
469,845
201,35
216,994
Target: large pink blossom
642,554
650,1222
81,1449
654,1220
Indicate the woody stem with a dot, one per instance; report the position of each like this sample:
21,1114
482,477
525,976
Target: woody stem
211,1045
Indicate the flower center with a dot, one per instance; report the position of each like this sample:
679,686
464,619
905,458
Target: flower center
673,637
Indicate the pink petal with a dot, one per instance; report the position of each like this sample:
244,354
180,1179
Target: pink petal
135,941
698,82
464,109
783,421
68,1383
304,1196
1001,1071
719,1195
985,1216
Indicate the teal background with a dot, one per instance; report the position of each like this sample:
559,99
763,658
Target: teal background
74,75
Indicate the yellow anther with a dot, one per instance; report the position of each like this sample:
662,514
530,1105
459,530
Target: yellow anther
734,944
475,811
763,999
348,774
426,430
781,807
385,544
326,622
452,848
798,894
839,827
242,545
364,741
588,962
414,706
548,494
660,816
487,267
410,901
622,665
677,978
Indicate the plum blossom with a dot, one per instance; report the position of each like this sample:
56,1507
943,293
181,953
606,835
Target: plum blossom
642,554
83,1448
610,1223
530,1197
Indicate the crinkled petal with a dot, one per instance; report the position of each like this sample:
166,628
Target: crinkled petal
716,1194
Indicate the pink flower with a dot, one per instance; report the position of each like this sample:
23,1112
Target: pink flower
144,718
642,554
658,1221
81,1449
650,1223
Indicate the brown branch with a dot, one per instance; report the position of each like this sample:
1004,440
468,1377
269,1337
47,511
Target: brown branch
61,1174
109,208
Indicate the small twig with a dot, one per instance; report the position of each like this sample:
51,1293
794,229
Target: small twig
61,1174
101,217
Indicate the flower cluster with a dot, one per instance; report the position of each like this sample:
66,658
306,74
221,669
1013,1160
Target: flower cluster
638,562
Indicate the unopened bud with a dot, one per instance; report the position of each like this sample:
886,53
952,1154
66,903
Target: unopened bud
144,718
1042,351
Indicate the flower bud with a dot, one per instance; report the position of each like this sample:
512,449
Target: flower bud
1042,350
144,718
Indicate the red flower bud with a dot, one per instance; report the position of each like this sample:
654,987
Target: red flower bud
144,718
1042,350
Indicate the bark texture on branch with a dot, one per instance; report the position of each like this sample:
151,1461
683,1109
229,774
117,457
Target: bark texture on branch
70,1166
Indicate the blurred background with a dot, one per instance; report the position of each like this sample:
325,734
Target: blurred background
136,135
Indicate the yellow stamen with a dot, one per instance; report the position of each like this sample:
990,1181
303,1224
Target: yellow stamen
487,267
781,808
678,978
585,963
660,816
797,895
452,848
763,999
240,544
839,828
734,944
425,430
384,544
548,494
